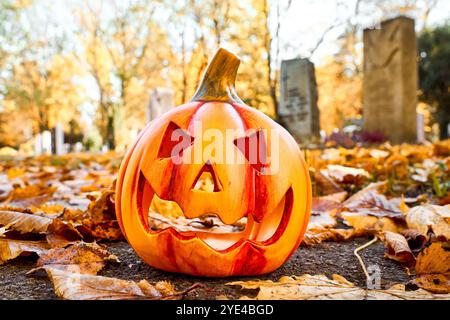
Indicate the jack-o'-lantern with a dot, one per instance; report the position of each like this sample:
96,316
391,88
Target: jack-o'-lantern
239,194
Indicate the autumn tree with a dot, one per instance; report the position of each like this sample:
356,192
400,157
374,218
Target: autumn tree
38,84
126,55
44,94
203,26
434,74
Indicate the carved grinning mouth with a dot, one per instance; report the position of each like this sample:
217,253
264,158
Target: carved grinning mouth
159,215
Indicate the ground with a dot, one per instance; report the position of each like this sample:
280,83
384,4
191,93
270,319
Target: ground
325,258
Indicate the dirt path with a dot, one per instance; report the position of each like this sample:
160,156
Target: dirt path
326,258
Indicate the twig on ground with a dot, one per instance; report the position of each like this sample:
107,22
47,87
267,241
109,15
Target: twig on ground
368,244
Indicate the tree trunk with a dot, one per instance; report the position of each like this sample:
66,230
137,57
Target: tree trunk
110,134
443,119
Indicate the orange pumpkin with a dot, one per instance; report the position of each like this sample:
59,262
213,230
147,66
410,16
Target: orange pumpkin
273,207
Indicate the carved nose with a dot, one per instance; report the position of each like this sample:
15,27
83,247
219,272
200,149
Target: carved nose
207,179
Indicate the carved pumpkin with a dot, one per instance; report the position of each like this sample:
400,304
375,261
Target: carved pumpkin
272,208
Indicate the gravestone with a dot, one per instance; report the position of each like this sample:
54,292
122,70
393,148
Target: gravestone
46,142
297,110
420,127
58,147
390,80
161,100
38,144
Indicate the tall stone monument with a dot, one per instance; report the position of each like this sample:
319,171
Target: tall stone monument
390,80
161,100
58,140
297,110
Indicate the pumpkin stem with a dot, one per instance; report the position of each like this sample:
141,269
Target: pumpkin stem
218,80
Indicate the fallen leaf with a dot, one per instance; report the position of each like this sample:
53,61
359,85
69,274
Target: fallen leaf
322,213
369,201
108,230
335,197
320,287
397,165
24,222
345,174
428,217
369,209
15,173
211,223
318,235
325,184
11,249
51,210
101,222
398,248
103,208
85,258
399,292
305,287
433,259
61,234
76,286
436,283
32,195
416,240
322,220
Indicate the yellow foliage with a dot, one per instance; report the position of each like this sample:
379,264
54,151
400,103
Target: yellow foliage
340,95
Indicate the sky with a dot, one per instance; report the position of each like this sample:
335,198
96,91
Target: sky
302,25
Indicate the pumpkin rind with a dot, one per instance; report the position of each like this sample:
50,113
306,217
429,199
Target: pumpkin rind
280,203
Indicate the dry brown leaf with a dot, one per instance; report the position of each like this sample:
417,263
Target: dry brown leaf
32,195
318,235
345,174
322,221
434,259
416,240
61,234
24,222
436,283
430,218
51,210
335,197
305,287
75,286
397,165
398,248
370,201
371,224
103,208
101,222
325,185
319,287
399,292
85,258
108,229
212,224
322,213
369,209
11,249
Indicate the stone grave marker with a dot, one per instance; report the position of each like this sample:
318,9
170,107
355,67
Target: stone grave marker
58,147
297,110
390,80
161,100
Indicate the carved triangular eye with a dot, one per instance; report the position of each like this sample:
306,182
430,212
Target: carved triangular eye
254,148
207,179
174,141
